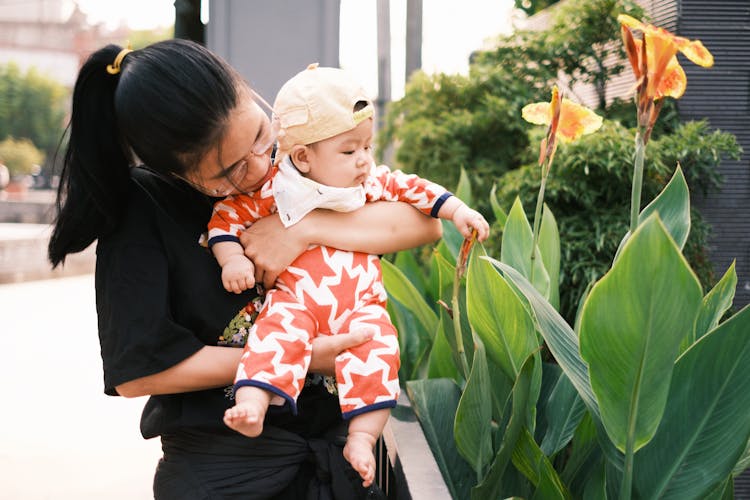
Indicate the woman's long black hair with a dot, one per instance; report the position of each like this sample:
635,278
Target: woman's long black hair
166,108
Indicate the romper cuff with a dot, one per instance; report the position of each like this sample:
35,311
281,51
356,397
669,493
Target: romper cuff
270,388
222,237
438,204
376,406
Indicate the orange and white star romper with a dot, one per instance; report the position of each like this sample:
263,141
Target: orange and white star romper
325,291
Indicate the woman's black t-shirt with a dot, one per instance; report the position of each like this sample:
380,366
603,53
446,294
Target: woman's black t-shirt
160,299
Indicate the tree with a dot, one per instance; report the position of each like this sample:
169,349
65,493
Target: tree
20,156
581,45
33,107
531,7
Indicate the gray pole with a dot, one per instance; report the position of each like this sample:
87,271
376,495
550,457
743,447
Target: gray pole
384,58
413,37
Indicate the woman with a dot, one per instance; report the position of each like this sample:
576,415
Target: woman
199,129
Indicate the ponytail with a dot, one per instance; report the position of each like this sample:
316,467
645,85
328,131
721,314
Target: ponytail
95,172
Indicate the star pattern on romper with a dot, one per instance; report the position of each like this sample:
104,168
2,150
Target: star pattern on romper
362,351
318,273
257,361
368,387
293,352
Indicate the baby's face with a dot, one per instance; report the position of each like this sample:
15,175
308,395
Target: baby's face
343,160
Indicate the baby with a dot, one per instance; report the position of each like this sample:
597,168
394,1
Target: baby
324,160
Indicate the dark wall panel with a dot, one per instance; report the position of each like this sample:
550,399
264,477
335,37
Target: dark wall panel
722,96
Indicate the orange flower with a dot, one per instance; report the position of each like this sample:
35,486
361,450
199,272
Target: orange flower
566,119
660,70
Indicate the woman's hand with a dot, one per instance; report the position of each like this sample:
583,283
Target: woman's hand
325,348
272,247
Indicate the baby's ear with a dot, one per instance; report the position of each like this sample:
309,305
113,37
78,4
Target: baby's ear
301,158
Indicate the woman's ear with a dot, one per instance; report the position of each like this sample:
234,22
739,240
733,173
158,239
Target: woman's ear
300,156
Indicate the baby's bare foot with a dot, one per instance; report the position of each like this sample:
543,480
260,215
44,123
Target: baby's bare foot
358,452
246,417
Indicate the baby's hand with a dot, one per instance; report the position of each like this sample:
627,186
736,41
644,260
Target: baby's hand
238,274
467,219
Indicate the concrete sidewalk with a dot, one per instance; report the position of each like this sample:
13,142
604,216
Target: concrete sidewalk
61,438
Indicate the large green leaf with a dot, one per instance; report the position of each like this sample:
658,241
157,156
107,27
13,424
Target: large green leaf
402,290
631,327
706,423
549,249
463,189
435,402
562,413
407,264
472,428
584,459
451,241
516,249
558,335
716,303
440,363
414,342
491,486
532,462
673,207
499,318
497,210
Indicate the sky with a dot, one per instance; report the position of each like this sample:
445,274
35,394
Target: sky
451,30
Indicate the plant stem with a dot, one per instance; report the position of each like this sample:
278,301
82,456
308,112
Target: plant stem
457,324
635,197
538,217
627,476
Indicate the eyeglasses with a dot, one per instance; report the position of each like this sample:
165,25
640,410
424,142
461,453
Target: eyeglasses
235,175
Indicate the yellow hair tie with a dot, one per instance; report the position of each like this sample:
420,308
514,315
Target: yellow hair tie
114,68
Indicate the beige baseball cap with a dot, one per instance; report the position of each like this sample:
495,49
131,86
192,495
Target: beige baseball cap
316,104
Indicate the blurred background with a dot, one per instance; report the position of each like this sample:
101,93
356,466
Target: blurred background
60,436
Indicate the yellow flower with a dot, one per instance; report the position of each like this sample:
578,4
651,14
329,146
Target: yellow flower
659,69
566,120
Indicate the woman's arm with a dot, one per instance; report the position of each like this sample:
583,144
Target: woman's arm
214,366
377,228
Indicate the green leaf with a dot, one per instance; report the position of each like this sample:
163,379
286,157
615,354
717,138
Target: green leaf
716,303
446,272
516,248
407,264
435,402
474,416
631,327
440,363
402,290
490,487
560,338
706,423
451,240
531,461
673,207
499,318
585,459
549,249
562,412
414,342
500,216
463,190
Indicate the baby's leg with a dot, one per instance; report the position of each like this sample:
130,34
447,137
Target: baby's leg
246,416
364,431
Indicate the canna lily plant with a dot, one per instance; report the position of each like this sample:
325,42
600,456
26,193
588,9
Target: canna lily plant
645,396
